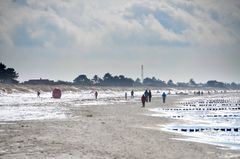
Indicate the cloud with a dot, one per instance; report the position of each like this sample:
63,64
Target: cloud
81,32
136,22
190,22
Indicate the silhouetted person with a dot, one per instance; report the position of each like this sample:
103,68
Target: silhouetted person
38,93
126,95
143,99
146,95
96,95
149,95
132,94
164,97
198,93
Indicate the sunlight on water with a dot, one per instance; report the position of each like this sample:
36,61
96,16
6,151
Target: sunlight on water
212,119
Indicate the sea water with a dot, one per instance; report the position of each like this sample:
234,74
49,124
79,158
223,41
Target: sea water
213,119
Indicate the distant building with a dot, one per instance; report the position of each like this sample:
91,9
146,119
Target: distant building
39,81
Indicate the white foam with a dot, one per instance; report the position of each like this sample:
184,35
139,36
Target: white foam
221,126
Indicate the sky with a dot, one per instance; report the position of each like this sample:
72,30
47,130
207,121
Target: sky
173,39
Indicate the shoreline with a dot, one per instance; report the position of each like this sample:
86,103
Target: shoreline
103,131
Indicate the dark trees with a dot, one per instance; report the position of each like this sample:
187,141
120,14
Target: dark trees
108,80
82,80
153,82
170,83
192,82
7,75
120,80
96,80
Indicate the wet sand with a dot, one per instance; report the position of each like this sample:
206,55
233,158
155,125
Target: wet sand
108,131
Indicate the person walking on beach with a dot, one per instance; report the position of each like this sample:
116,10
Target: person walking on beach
149,95
96,95
164,97
38,93
143,99
146,95
132,94
126,95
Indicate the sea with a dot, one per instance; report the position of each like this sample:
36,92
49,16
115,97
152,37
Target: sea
211,119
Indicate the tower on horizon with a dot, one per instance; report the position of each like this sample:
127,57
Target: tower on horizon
142,73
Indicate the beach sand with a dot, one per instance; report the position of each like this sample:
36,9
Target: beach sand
101,132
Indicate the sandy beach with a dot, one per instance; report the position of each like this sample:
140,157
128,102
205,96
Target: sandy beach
103,131
74,74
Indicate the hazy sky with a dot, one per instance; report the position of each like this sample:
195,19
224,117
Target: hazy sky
173,39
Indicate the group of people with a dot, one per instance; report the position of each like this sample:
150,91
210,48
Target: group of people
147,97
198,93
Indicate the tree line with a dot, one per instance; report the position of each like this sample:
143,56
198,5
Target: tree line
110,80
107,80
9,75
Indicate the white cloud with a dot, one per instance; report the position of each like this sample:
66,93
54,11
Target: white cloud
110,29
89,23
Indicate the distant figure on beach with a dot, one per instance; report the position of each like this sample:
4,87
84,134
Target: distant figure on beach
132,94
146,95
38,93
143,99
198,93
96,95
164,97
149,95
126,95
